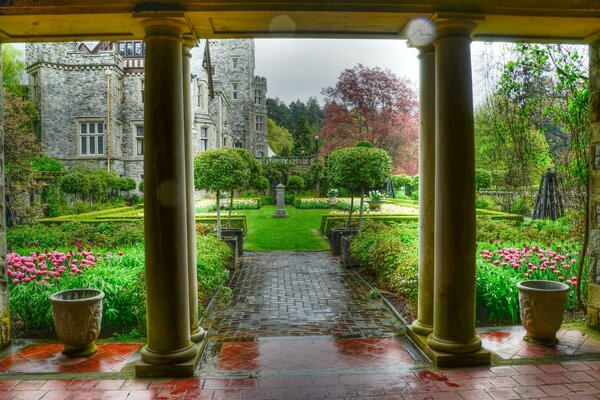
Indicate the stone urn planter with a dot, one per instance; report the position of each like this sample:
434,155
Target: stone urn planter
238,233
77,317
375,205
332,200
542,305
335,239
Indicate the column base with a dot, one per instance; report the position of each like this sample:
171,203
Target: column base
454,347
420,328
441,359
179,370
198,335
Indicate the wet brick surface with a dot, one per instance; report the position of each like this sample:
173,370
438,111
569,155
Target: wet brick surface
298,294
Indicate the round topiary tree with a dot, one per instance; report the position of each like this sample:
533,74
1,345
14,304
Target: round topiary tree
358,168
247,178
262,185
295,183
220,170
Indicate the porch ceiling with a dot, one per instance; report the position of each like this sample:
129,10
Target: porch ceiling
44,20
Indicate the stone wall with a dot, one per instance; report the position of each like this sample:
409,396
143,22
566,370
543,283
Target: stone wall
4,309
594,240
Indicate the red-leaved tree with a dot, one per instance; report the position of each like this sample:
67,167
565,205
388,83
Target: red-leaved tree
374,105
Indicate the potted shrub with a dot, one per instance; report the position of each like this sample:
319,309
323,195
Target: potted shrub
218,171
77,315
542,306
357,168
249,178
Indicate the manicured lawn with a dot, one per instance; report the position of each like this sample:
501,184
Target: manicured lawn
300,231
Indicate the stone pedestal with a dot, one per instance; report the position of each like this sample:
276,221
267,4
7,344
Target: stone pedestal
169,351
455,246
280,211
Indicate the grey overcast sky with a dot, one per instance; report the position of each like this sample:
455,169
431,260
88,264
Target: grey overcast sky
301,68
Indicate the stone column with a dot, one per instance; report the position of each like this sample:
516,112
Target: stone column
424,323
455,247
4,309
196,332
280,194
165,227
594,221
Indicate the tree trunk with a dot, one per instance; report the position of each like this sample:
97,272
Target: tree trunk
230,209
351,208
360,209
218,214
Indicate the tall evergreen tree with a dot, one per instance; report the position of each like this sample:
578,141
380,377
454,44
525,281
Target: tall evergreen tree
303,139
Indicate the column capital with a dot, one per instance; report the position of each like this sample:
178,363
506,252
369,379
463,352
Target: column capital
164,26
451,24
189,42
426,50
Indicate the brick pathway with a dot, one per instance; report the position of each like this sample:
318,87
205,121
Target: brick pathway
298,294
300,327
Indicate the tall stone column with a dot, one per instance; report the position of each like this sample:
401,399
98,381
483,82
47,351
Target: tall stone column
4,309
423,325
593,310
455,247
196,332
165,224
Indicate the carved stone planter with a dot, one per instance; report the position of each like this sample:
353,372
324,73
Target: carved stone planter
332,200
375,205
542,305
77,317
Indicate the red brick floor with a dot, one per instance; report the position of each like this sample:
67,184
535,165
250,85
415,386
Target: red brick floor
509,344
47,358
313,356
316,353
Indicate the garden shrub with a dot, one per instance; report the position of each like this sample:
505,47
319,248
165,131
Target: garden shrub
295,183
213,257
483,179
391,252
485,202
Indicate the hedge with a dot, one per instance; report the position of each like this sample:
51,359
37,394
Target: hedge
331,221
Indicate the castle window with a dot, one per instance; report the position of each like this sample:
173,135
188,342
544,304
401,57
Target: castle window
142,90
139,140
213,70
35,88
260,123
203,139
234,62
121,48
257,97
129,52
137,48
91,138
234,90
200,95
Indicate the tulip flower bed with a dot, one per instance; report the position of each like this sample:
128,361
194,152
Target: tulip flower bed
35,274
501,265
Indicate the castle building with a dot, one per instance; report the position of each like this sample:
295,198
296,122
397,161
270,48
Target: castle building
90,99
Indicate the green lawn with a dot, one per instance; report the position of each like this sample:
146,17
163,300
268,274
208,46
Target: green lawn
300,231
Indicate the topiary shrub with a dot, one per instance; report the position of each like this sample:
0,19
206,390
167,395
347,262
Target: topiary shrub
295,183
483,179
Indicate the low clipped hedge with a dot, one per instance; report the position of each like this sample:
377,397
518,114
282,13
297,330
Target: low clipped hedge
336,220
